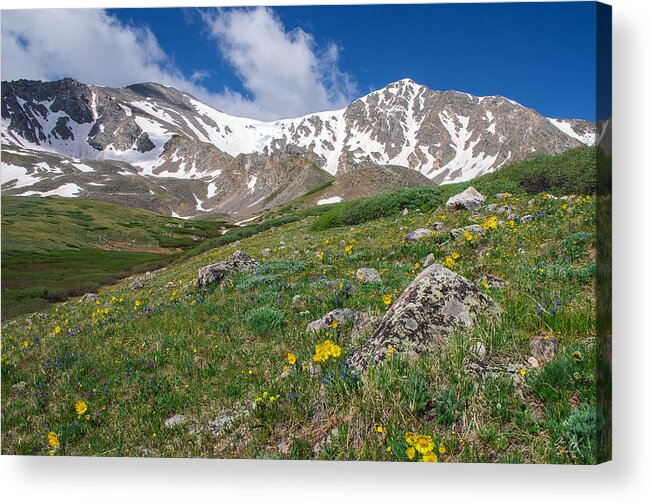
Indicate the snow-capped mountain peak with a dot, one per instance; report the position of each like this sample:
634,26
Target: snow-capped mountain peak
158,131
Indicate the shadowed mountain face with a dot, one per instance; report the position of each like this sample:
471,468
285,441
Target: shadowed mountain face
154,147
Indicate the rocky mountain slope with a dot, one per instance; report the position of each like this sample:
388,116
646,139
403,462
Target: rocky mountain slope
155,147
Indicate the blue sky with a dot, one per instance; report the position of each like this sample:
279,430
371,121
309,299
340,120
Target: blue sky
293,60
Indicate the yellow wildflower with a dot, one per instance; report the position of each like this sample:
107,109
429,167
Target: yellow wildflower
137,303
411,453
386,299
449,262
430,457
490,223
379,428
80,407
467,235
53,439
57,329
423,444
335,324
441,449
410,437
291,358
455,255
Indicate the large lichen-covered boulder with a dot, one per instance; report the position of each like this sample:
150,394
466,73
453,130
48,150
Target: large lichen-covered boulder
437,303
466,200
215,273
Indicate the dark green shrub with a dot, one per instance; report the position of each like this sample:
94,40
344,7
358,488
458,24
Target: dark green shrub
375,207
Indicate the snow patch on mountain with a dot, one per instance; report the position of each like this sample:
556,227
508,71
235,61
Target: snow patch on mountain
586,137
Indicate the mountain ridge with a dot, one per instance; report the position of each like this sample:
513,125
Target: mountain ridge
163,133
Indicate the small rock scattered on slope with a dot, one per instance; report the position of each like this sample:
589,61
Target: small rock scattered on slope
466,200
367,275
215,273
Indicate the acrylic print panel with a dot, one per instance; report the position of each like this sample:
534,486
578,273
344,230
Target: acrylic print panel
323,233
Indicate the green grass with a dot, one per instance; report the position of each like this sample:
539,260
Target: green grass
573,172
53,248
33,281
139,357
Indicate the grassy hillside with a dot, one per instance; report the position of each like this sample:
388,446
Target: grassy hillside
53,248
237,361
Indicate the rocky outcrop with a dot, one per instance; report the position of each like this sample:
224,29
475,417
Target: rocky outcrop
420,233
492,282
215,273
88,298
474,230
175,421
436,304
365,275
501,209
417,234
466,200
341,316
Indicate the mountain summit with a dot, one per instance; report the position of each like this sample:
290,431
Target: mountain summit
229,163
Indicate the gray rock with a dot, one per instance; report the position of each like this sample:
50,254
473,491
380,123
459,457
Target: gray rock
418,234
543,349
533,362
19,386
368,275
427,260
174,421
527,219
492,282
266,252
466,200
88,297
501,209
405,211
224,420
474,229
138,283
479,350
342,316
437,303
502,195
296,299
215,273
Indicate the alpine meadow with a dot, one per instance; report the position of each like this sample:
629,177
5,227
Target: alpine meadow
406,275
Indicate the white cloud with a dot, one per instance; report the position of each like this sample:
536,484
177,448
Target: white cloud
285,73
